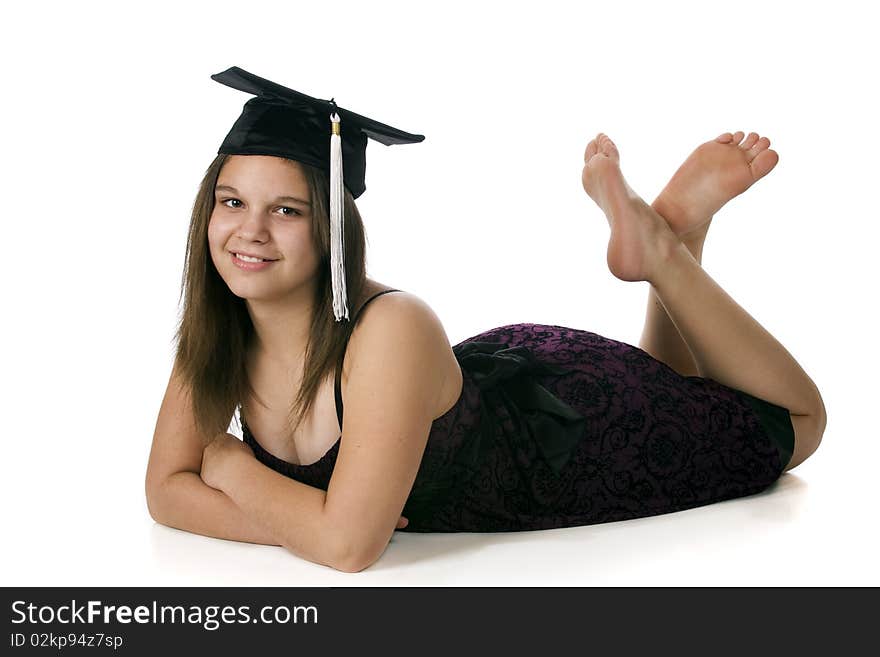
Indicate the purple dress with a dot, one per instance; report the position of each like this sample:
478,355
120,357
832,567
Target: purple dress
561,427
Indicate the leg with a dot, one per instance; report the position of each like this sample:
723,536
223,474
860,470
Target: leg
727,344
713,174
732,348
660,338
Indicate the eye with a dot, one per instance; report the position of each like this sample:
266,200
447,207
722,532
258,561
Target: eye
283,207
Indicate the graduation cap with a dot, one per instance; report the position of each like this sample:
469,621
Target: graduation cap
286,123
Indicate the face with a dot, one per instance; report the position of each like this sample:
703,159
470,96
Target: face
262,207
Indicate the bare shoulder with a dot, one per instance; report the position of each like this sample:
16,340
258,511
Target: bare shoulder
401,311
399,327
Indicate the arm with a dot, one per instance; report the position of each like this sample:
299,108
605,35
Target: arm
185,502
187,471
398,354
278,505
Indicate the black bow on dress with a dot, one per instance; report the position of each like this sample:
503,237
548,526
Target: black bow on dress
505,375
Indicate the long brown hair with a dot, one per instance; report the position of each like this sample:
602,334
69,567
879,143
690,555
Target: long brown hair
215,331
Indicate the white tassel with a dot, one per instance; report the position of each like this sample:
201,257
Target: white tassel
337,235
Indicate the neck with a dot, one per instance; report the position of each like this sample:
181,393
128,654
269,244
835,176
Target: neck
282,326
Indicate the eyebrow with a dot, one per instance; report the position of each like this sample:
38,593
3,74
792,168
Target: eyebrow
289,199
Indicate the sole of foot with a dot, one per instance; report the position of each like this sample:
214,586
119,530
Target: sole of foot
640,238
713,174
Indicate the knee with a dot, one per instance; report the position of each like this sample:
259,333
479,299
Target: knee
808,432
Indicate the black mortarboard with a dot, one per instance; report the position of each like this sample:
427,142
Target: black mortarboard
286,123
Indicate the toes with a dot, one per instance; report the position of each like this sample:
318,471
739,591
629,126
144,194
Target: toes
737,136
763,163
602,144
761,145
725,138
592,149
750,141
607,146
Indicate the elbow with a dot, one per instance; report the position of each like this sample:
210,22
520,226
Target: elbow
361,557
353,546
332,550
358,556
347,560
153,492
354,564
153,508
349,568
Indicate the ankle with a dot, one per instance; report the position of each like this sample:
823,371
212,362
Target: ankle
695,246
673,258
666,207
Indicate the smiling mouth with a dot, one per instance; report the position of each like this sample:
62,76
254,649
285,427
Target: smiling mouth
245,258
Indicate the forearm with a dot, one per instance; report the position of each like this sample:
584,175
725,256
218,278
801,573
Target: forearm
186,502
287,508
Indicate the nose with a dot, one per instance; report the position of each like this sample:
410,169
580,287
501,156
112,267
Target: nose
253,225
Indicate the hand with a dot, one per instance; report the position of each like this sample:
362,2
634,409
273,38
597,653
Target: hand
217,456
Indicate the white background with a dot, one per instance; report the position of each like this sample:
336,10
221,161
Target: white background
110,118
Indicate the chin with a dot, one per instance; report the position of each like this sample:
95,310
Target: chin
251,292
257,291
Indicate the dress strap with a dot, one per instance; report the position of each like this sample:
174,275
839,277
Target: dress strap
338,386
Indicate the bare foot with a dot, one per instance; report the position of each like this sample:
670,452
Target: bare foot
640,238
714,173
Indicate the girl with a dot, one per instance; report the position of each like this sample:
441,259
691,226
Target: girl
525,426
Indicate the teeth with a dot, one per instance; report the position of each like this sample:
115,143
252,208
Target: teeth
248,258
